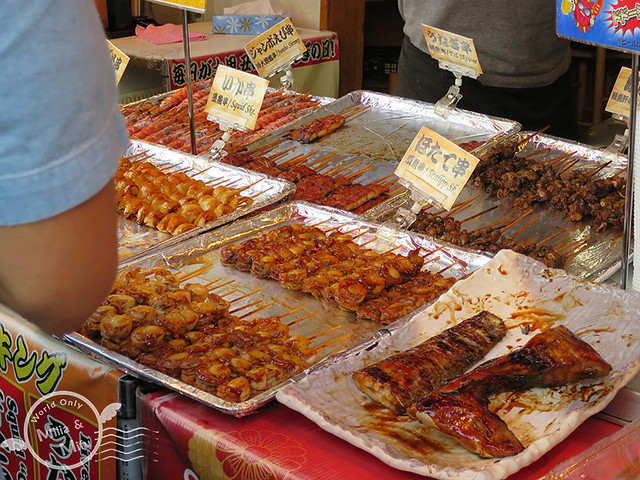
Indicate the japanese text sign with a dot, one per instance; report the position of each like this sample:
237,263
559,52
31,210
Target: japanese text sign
620,100
611,23
197,6
277,47
454,49
437,167
235,97
49,429
119,59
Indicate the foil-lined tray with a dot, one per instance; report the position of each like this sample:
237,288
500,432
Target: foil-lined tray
192,253
387,126
376,138
529,298
157,99
596,261
135,239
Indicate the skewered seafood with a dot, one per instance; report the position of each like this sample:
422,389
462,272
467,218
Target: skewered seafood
312,186
333,268
167,122
460,408
316,129
576,194
184,330
486,239
400,380
171,202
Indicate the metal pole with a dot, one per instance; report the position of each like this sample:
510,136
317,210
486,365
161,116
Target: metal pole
187,61
629,200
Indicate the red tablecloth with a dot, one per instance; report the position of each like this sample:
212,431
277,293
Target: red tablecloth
192,441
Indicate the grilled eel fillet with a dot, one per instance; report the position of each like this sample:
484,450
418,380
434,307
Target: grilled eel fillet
461,407
398,381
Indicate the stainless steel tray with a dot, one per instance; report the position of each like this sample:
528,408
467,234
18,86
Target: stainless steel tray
599,260
135,239
191,253
387,127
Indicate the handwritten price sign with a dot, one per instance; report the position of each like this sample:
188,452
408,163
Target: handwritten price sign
275,48
620,99
437,167
119,59
451,48
235,97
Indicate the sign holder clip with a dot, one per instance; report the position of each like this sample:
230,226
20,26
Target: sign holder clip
620,142
404,217
216,149
286,80
446,104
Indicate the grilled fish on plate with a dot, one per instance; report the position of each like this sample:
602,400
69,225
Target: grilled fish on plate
398,381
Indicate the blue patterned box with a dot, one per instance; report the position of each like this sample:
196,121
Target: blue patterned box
245,24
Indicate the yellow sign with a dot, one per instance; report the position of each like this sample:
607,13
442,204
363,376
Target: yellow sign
235,97
120,60
197,6
437,167
451,48
275,48
620,98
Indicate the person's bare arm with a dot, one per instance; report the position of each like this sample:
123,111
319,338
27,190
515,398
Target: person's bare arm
55,272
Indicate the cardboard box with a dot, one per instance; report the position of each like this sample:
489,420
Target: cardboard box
245,24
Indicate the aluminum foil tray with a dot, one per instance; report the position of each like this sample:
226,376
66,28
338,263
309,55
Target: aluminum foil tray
596,261
342,328
331,160
529,298
135,239
387,127
156,99
376,139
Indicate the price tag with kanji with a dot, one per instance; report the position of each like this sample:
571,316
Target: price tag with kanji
277,47
620,99
119,59
450,48
197,6
235,97
437,167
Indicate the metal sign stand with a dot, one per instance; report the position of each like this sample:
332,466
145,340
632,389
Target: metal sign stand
629,194
187,61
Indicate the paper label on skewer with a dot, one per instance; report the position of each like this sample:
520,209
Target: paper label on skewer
619,101
197,6
120,60
277,47
235,97
450,48
437,167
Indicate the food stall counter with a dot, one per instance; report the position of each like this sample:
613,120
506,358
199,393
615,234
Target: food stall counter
189,440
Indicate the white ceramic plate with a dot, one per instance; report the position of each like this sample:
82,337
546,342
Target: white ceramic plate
529,298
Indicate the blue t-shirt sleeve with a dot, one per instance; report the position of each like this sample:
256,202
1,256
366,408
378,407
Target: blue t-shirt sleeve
61,132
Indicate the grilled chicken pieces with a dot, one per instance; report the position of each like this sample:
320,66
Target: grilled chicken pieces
460,408
398,381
